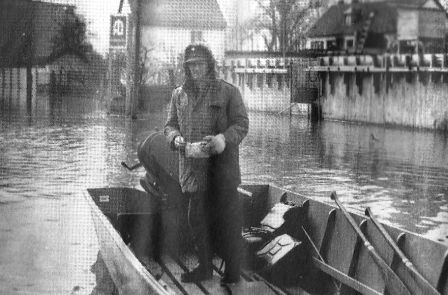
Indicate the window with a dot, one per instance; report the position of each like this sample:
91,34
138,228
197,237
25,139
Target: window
349,43
317,45
269,78
260,80
250,81
196,36
348,19
279,82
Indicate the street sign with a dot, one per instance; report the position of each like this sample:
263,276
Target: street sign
118,30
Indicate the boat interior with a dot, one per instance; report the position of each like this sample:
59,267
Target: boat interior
328,259
292,244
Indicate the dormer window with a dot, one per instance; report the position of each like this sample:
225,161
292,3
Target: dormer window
348,17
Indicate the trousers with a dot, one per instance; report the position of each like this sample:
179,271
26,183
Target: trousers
216,219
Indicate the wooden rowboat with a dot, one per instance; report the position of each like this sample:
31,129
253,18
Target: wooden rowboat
339,262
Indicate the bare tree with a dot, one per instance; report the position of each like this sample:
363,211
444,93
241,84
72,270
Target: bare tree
71,38
286,21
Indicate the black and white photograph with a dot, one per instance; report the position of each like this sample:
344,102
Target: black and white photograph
229,147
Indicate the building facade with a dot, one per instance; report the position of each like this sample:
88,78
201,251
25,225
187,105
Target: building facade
397,26
168,26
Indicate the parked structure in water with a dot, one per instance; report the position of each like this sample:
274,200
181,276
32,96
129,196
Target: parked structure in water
406,90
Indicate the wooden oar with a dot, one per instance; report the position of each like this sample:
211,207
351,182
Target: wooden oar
338,287
393,283
425,286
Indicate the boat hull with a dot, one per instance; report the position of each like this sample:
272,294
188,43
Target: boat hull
345,258
125,270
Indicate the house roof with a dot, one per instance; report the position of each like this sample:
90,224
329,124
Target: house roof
333,21
27,29
413,3
191,14
409,2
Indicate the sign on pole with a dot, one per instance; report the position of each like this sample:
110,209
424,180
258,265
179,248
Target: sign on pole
118,31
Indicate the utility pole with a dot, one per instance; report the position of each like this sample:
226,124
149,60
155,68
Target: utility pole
284,13
132,93
29,61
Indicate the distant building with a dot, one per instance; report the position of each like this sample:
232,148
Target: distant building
168,26
401,26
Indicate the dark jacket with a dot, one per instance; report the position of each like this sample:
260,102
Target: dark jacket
219,109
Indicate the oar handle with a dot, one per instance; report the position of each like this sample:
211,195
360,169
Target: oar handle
388,238
423,283
392,281
138,165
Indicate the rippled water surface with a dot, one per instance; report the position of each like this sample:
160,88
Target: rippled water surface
51,151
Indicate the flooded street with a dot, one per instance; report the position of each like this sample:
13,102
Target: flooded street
50,153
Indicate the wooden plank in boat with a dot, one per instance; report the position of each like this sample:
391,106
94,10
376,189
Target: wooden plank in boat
365,269
255,276
176,272
250,277
250,288
344,278
428,257
319,222
341,244
160,268
212,286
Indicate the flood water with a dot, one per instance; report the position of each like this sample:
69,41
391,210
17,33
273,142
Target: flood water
51,151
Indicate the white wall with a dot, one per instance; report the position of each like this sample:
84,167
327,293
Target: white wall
407,24
169,43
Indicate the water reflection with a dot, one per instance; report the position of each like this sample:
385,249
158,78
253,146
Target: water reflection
51,153
401,174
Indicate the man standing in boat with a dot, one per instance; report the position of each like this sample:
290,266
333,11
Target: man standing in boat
207,121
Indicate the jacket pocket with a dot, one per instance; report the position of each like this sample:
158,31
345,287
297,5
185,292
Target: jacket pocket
219,117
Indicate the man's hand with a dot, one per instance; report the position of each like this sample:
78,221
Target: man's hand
215,144
179,142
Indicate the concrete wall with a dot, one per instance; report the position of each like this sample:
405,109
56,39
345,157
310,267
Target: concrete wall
261,91
270,98
264,81
408,99
407,24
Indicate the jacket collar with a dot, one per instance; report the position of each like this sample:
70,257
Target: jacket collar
211,92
